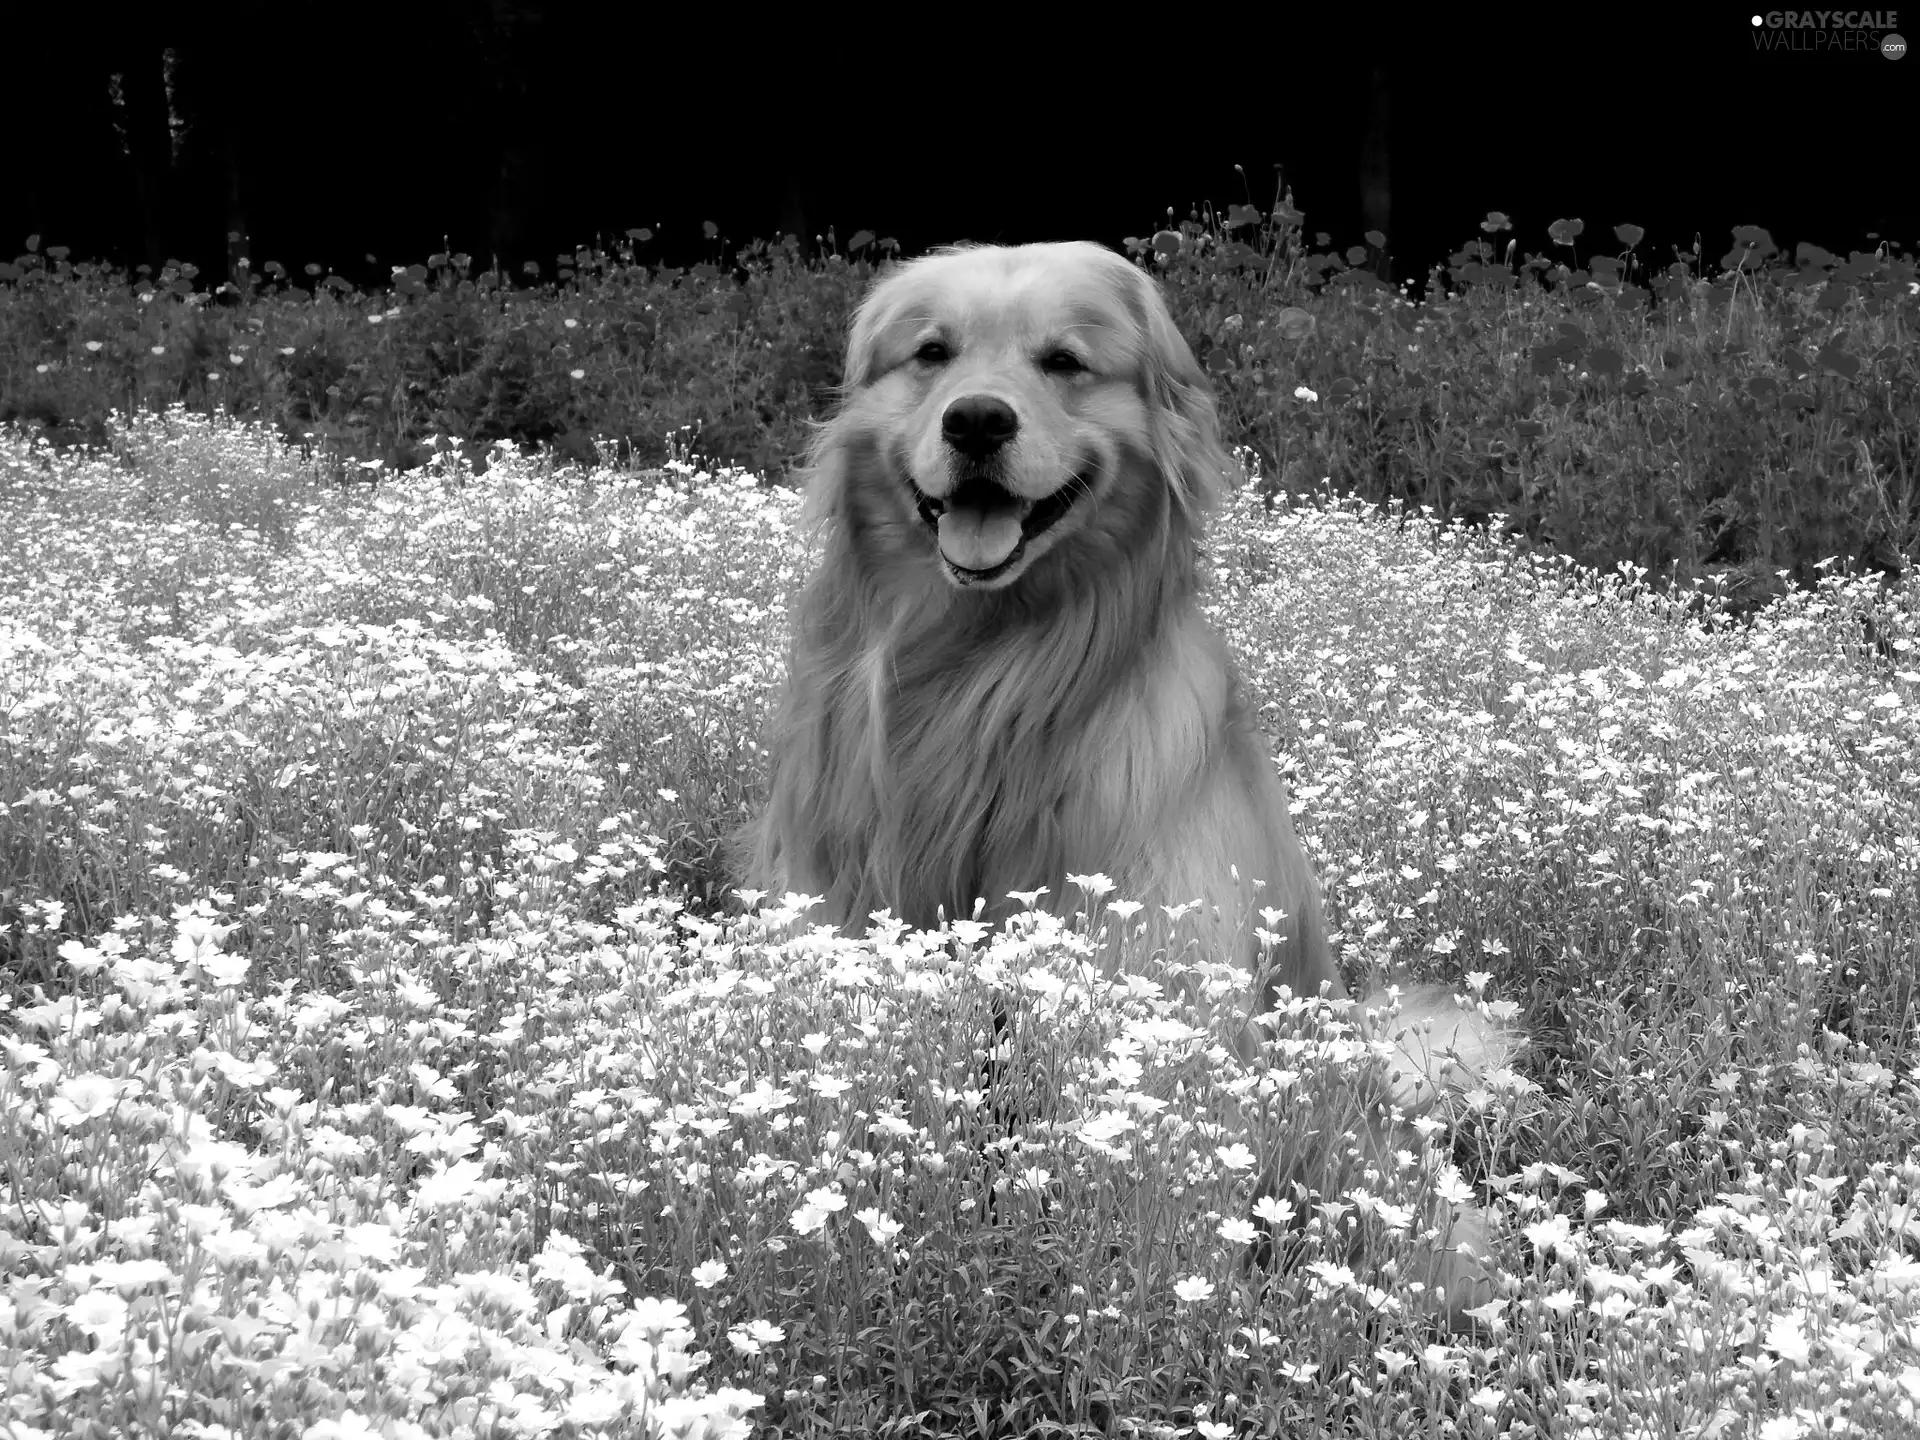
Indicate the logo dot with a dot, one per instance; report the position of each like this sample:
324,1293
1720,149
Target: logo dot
1758,21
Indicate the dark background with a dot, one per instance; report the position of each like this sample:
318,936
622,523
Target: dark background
518,128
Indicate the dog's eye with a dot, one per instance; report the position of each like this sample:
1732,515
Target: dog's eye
1062,362
934,352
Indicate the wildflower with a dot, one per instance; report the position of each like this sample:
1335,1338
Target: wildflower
1234,1157
225,970
654,1316
1303,393
881,1227
1787,1339
828,1199
1394,1360
808,1220
1238,1232
100,1313
83,1098
1553,1235
450,1185
83,957
755,1336
1275,1211
709,1273
1193,1289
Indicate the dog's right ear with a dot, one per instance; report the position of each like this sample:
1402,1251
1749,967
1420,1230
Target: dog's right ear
869,319
1185,425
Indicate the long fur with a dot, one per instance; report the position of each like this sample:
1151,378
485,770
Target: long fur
950,730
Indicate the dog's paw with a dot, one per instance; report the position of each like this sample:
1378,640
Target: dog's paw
1437,1046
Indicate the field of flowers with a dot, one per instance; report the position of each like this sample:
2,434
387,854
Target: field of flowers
380,1057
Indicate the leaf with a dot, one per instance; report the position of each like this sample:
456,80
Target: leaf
1294,324
1839,361
1629,235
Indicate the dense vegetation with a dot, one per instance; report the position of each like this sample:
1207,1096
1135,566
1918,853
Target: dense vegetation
367,1071
1717,418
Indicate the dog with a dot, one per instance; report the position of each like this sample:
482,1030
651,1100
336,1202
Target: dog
1000,673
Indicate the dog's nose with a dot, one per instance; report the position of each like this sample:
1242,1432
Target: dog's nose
978,425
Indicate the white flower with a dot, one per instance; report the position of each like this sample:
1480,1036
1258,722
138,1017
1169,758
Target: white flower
1787,1340
1238,1232
81,956
709,1273
652,1315
827,1199
1303,393
808,1219
883,1228
1275,1211
1193,1289
754,1336
1234,1157
83,1098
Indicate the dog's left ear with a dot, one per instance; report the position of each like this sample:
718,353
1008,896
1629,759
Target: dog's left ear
1186,427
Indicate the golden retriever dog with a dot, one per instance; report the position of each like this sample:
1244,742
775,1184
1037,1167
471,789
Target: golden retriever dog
1000,673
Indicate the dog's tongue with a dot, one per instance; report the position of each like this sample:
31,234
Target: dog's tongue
979,538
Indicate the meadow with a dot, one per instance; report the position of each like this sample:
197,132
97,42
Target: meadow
1735,417
380,1058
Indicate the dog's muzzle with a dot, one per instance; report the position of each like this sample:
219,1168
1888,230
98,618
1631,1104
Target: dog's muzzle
982,528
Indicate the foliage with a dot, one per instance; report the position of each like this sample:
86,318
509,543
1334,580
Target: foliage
1721,420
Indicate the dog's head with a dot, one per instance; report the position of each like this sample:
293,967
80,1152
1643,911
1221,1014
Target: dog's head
1004,404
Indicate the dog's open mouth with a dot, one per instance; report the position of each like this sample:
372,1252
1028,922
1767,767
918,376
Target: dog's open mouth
982,528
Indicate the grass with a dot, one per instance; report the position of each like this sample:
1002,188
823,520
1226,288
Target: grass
376,1061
